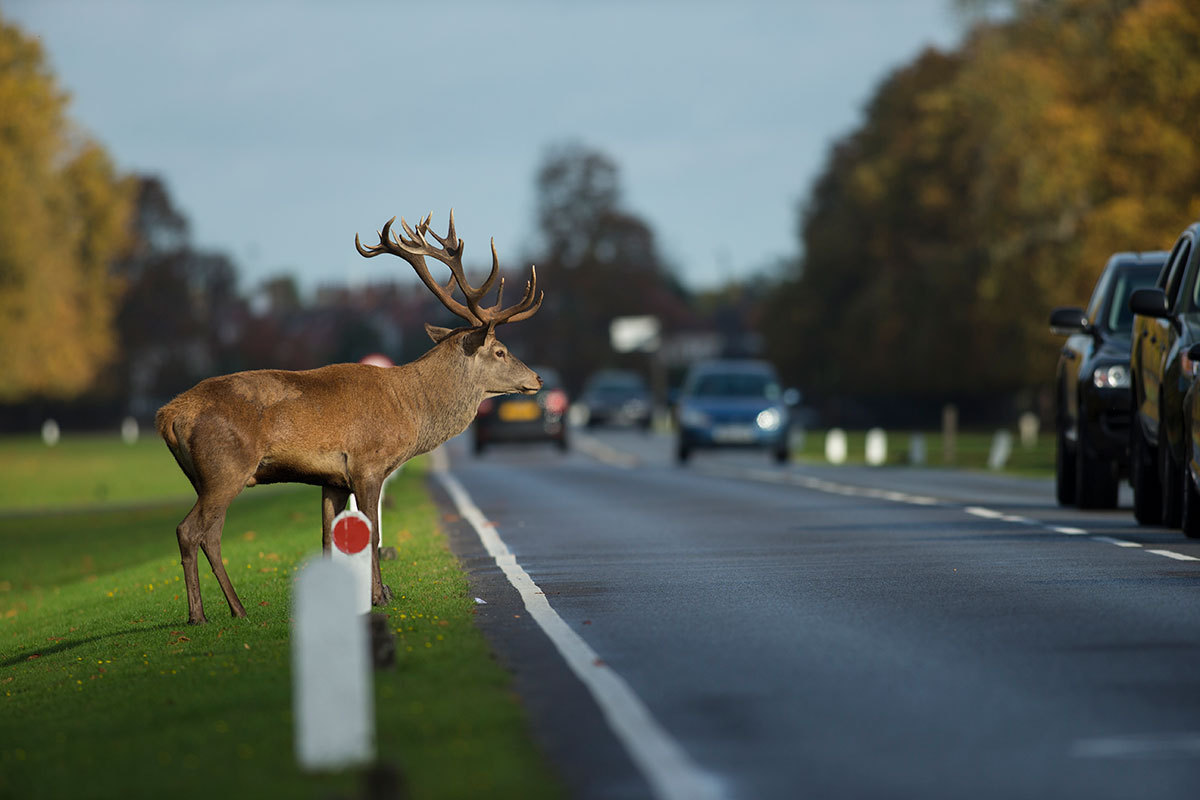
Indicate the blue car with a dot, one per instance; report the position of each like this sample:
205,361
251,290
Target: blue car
732,404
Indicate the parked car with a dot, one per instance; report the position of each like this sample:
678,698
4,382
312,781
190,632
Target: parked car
1092,398
1190,492
523,418
616,397
734,403
1166,324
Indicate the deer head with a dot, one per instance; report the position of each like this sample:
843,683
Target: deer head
488,361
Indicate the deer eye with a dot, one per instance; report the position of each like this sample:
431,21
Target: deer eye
499,354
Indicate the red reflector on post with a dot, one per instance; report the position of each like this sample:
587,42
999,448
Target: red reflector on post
351,533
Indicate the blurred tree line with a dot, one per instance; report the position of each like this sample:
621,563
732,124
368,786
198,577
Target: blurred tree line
984,187
107,308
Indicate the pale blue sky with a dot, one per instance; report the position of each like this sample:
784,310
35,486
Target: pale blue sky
282,128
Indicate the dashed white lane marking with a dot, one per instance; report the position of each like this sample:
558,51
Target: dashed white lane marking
672,775
1176,556
604,453
1149,746
1117,542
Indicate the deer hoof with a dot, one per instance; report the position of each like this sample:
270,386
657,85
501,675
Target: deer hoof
200,620
385,596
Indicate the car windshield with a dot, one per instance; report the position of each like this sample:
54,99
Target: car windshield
1128,281
736,384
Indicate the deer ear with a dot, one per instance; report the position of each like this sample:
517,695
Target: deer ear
474,340
436,333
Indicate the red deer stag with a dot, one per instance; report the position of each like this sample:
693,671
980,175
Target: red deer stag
343,427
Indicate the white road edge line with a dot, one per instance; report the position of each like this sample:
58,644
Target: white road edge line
671,773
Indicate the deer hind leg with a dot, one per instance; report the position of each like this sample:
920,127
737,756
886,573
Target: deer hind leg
333,502
189,533
211,544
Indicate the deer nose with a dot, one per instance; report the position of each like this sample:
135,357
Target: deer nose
540,384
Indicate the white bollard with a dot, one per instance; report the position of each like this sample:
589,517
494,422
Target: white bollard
1029,426
916,450
835,446
876,447
1000,451
50,433
351,547
129,430
332,691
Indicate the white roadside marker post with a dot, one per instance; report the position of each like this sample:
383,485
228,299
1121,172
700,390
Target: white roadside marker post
332,688
835,446
876,447
332,692
352,548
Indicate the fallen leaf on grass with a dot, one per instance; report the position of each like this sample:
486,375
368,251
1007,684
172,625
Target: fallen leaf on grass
32,657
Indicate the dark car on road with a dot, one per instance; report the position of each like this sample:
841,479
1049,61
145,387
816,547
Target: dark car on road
1166,324
1092,399
732,403
616,397
523,418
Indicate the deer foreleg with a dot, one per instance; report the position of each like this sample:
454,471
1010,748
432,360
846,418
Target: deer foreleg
367,494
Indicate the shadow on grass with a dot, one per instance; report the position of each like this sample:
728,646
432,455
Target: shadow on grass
66,645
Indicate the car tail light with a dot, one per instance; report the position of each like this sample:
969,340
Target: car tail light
486,407
556,401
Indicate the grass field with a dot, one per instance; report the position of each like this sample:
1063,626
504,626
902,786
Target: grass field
970,451
106,692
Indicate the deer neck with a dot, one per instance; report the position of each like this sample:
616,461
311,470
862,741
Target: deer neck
444,395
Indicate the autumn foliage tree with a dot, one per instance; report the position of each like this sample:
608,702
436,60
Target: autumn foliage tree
986,186
64,213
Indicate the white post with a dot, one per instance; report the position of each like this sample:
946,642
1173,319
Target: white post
876,447
351,547
1000,451
916,449
332,692
835,446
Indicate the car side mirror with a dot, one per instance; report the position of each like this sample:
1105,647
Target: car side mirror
1150,303
1068,320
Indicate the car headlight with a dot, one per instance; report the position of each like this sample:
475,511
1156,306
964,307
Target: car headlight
693,418
769,419
1113,377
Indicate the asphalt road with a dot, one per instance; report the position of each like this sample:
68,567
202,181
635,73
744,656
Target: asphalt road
821,632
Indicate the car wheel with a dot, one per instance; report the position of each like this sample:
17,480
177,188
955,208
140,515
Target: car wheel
683,450
1096,480
1191,505
1170,482
1147,495
1064,470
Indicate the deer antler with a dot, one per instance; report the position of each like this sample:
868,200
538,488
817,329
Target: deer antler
412,247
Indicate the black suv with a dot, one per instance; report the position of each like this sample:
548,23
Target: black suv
1166,324
1092,405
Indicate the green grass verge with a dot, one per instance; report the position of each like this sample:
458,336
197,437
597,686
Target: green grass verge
971,449
105,692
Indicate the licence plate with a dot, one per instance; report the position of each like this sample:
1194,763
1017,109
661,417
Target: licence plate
733,434
520,411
